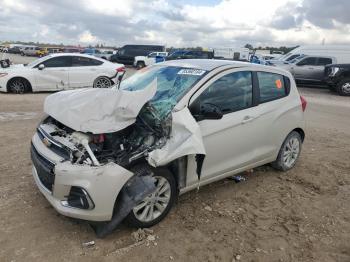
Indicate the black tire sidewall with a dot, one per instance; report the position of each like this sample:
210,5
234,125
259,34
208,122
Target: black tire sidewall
110,82
279,164
131,219
340,85
24,83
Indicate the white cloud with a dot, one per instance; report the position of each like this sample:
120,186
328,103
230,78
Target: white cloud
87,38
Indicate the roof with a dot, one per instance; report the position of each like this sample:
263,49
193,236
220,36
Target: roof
206,64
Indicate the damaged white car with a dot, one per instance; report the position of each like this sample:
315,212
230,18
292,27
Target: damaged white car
106,155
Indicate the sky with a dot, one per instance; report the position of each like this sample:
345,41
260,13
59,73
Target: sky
180,23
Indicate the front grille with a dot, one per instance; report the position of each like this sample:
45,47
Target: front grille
53,145
44,168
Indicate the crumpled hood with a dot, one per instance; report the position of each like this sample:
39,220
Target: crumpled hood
98,110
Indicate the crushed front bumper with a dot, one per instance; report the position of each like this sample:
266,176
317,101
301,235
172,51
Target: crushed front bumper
55,179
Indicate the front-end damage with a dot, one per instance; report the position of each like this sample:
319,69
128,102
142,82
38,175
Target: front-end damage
104,139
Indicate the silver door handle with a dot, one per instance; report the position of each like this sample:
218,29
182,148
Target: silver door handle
247,119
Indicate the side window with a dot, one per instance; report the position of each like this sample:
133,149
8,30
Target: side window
292,57
152,54
322,61
272,86
307,61
85,61
230,93
60,61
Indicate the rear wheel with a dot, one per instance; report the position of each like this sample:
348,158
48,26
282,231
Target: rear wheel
289,152
102,82
140,65
18,86
153,208
343,87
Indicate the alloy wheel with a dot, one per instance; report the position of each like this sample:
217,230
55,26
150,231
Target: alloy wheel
346,88
155,204
291,152
103,82
17,86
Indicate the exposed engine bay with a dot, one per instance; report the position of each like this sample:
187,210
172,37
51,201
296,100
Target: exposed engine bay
122,147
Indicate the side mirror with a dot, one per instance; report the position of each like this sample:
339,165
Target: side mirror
205,111
41,66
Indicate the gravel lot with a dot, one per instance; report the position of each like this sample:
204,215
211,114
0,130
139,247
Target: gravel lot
301,215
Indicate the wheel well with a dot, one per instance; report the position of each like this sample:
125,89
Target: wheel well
301,133
28,84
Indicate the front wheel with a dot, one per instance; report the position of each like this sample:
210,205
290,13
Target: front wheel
289,152
153,208
140,65
102,82
343,87
17,86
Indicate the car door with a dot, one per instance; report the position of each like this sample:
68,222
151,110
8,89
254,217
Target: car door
305,69
84,71
230,141
54,75
319,68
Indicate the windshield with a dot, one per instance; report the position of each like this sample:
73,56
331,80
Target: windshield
172,84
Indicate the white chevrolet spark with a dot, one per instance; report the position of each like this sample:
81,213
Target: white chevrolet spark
59,72
126,153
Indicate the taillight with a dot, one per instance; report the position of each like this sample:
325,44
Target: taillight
120,69
303,103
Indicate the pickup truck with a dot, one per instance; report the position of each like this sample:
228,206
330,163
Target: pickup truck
100,54
337,77
152,58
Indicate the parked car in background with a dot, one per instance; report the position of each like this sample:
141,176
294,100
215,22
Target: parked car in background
4,49
30,51
342,52
43,51
70,50
190,54
337,76
54,50
167,130
15,50
127,53
106,54
237,54
152,58
98,53
309,69
58,72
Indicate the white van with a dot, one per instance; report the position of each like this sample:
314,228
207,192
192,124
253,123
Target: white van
236,53
341,52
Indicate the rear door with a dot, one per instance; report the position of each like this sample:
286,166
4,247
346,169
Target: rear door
55,74
84,71
320,67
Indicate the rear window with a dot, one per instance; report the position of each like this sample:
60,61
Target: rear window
272,86
322,61
85,61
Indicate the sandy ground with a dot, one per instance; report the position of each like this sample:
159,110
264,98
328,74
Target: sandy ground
300,215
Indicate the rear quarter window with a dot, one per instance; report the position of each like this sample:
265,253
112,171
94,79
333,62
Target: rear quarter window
272,86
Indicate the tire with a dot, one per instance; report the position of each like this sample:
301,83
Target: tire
140,65
289,152
343,87
166,183
102,82
18,86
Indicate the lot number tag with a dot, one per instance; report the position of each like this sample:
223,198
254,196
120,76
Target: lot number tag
194,72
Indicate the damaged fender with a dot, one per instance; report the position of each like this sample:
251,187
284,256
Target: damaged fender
98,110
185,139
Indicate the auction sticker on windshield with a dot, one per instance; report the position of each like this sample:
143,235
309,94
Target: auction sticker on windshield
194,72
